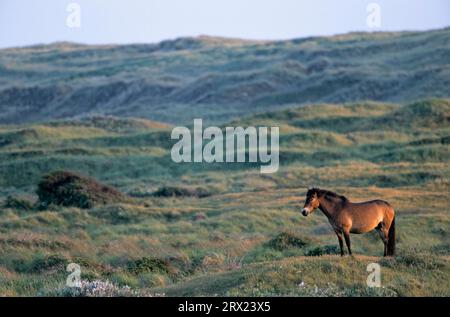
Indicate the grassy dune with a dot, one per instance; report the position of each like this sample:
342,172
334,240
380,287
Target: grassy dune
247,236
219,79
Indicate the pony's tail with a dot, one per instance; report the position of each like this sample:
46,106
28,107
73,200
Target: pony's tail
391,239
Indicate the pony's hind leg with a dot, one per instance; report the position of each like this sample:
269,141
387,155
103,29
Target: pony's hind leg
383,235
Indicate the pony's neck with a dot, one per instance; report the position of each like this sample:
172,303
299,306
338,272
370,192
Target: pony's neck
327,207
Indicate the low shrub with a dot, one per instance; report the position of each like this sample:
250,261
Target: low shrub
171,191
322,250
285,240
70,189
41,263
18,203
154,265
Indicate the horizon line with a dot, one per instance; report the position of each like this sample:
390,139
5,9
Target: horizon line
208,36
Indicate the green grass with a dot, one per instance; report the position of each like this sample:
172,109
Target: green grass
247,236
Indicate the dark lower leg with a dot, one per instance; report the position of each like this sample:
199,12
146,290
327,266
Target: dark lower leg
347,241
383,235
341,242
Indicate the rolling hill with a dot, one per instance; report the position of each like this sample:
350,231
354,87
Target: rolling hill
219,79
244,235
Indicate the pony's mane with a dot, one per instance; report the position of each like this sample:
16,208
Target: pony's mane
329,194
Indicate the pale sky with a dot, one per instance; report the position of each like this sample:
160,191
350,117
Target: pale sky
25,22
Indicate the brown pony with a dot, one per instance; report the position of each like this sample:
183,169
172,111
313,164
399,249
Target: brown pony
346,217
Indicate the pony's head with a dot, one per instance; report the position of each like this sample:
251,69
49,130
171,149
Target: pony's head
312,201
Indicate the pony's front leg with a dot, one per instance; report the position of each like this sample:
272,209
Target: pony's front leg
341,242
347,240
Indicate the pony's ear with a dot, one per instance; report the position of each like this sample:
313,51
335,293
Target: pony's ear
316,190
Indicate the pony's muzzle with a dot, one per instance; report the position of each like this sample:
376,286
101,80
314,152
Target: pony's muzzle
305,212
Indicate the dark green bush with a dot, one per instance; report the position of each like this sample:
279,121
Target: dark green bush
285,240
70,189
17,203
154,265
41,263
322,250
171,191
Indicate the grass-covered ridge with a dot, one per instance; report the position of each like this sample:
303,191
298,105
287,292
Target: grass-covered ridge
226,229
219,79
